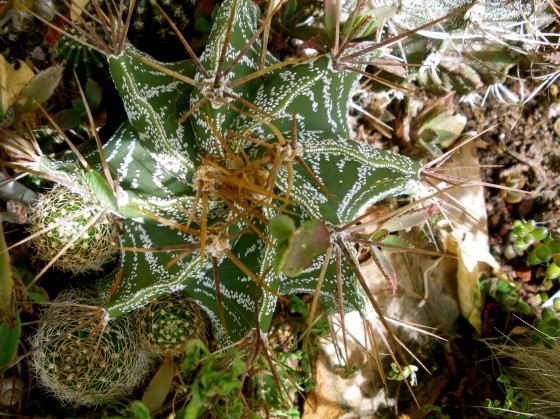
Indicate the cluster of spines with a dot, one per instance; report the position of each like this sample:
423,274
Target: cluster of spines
82,359
168,323
60,218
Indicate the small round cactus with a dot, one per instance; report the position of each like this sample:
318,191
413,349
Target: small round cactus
78,57
150,29
168,323
58,218
81,358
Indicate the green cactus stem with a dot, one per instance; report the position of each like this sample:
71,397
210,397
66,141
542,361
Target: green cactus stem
216,146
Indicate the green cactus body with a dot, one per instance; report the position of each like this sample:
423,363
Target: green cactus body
77,57
253,145
152,101
166,324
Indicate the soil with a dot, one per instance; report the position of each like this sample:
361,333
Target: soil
518,147
525,145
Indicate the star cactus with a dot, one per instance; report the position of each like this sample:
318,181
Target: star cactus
234,178
213,149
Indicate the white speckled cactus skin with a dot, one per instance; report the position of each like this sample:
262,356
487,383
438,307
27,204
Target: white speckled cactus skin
472,49
212,151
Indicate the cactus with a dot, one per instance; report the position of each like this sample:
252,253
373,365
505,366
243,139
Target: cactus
60,222
90,363
472,49
166,324
77,57
213,149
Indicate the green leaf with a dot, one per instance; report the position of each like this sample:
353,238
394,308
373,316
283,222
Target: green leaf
290,10
543,253
540,233
520,246
282,227
553,271
533,258
78,106
548,315
9,341
160,385
444,129
39,89
331,11
310,240
139,410
202,25
68,119
396,243
406,221
93,94
554,246
367,22
99,186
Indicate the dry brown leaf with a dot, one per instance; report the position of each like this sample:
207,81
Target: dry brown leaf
12,82
469,239
77,8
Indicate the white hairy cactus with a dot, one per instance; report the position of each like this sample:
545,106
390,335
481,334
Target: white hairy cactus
60,219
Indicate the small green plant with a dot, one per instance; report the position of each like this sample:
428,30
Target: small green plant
214,382
547,328
515,401
539,244
524,234
505,293
403,373
436,412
